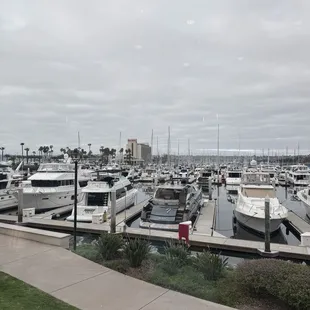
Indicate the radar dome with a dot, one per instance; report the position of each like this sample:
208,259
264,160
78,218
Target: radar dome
253,163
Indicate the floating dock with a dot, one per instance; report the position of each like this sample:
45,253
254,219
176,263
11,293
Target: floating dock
205,223
296,224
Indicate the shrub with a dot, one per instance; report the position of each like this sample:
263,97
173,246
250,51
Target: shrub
109,246
119,265
176,256
211,265
286,281
136,251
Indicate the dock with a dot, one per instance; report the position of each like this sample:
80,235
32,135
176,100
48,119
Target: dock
205,221
296,224
225,245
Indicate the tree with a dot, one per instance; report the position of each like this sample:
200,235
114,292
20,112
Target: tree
89,145
106,153
27,152
62,150
128,157
45,150
51,150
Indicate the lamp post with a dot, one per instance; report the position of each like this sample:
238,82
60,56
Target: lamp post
22,145
75,198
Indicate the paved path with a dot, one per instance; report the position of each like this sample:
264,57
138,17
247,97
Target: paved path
85,284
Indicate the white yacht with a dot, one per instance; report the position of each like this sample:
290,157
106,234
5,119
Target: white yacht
171,205
233,177
299,175
51,187
9,180
148,175
250,206
304,196
164,175
97,197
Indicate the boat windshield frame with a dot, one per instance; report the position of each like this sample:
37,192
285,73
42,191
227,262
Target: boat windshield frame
55,167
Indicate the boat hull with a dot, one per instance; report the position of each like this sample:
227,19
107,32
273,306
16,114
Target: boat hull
257,224
49,200
305,202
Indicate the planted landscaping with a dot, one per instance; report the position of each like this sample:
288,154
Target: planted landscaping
254,284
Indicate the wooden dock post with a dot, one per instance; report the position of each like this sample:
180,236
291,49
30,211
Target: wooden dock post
267,224
20,205
113,211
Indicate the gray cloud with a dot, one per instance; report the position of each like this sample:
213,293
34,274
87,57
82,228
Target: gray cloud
133,66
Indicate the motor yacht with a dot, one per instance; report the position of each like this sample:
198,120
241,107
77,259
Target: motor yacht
171,205
52,186
9,181
304,196
299,175
97,196
250,207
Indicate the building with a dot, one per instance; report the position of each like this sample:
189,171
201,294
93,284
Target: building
139,151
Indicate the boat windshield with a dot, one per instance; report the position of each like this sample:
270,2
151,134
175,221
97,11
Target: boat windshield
302,177
167,194
234,174
97,199
55,167
259,192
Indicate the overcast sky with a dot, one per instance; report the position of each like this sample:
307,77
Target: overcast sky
101,67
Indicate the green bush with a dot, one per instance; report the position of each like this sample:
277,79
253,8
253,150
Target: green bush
288,282
175,257
119,265
188,281
109,246
88,251
136,251
210,265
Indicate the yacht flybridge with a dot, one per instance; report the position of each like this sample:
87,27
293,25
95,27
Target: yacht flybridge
171,204
51,187
250,206
97,196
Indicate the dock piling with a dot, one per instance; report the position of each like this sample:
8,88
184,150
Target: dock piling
267,224
20,205
113,211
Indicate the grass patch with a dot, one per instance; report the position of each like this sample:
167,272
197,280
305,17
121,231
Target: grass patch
15,294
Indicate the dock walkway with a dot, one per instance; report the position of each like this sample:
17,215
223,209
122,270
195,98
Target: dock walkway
84,284
204,225
297,224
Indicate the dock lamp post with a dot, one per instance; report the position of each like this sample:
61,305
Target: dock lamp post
75,159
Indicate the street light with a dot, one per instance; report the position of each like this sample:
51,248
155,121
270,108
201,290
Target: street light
75,159
22,145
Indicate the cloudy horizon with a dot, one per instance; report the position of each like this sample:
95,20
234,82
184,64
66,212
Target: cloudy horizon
103,67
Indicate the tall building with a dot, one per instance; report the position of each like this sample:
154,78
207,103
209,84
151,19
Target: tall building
140,152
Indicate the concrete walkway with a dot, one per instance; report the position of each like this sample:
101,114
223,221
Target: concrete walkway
84,284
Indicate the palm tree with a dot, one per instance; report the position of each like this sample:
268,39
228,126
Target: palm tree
40,152
51,150
45,149
106,153
27,152
2,149
89,145
22,145
62,150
